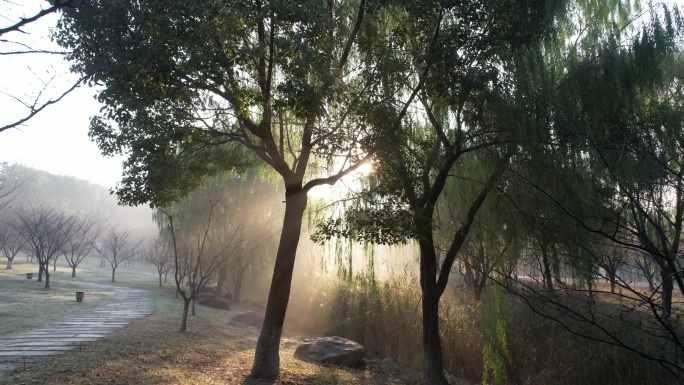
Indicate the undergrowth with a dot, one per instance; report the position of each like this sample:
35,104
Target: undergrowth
528,349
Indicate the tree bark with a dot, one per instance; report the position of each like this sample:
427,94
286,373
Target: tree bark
9,264
432,346
47,275
237,288
611,278
548,277
160,277
73,271
40,272
113,273
184,320
266,357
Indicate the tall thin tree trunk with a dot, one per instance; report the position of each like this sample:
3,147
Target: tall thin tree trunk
113,273
40,272
432,346
47,275
184,320
237,288
267,353
193,306
160,277
9,264
548,277
54,265
73,271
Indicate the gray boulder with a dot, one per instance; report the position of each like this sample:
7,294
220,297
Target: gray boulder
214,302
331,350
250,319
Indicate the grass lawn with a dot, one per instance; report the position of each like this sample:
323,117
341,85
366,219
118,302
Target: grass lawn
150,350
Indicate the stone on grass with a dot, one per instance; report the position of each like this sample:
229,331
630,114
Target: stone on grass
332,350
214,302
250,319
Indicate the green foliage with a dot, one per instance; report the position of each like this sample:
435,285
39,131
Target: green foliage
494,350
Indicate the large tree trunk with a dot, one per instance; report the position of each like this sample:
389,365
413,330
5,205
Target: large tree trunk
9,264
266,356
73,271
113,273
160,277
432,346
40,272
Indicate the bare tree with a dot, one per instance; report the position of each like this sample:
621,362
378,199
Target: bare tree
117,247
159,254
13,32
11,239
192,262
87,229
46,231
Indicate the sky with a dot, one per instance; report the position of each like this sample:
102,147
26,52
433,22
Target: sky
56,140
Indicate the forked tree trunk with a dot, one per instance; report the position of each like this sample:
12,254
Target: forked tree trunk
266,356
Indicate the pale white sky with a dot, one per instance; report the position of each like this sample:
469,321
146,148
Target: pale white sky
56,140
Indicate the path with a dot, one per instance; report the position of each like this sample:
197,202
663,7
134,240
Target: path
128,304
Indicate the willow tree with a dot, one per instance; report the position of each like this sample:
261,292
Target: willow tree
244,205
610,113
188,88
454,103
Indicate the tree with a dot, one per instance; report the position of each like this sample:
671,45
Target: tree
11,239
610,113
87,229
46,231
159,254
191,87
192,263
452,106
116,247
245,202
